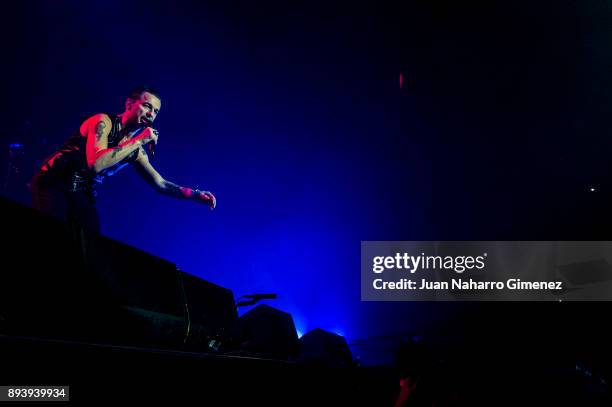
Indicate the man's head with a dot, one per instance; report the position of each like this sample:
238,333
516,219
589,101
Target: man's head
142,106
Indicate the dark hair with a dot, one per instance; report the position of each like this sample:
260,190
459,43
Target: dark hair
136,92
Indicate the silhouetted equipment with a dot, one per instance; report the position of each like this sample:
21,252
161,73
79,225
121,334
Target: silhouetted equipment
268,332
211,314
64,282
82,309
253,299
17,159
325,348
13,167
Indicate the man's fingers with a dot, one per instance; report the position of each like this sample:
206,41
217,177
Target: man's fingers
213,199
208,196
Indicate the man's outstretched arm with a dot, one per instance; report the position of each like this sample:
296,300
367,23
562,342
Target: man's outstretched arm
144,167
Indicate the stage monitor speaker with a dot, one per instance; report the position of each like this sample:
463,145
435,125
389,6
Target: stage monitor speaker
268,332
145,288
319,347
42,262
212,314
65,283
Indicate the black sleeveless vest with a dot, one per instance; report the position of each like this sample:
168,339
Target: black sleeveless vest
67,168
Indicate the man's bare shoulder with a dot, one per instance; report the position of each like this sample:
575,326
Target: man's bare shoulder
91,123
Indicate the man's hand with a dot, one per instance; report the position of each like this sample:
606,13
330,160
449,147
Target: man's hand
148,135
206,197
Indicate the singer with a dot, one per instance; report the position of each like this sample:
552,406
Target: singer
66,183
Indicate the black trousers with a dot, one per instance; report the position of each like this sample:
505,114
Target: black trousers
76,207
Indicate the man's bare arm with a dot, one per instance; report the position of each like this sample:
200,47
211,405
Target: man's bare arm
99,156
150,174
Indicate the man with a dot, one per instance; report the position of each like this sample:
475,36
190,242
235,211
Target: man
65,185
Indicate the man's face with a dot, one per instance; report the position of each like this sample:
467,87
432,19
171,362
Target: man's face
142,111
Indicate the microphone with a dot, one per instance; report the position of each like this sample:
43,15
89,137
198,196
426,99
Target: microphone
255,298
137,131
261,296
151,147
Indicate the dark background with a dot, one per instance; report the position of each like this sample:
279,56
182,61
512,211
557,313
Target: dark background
292,113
